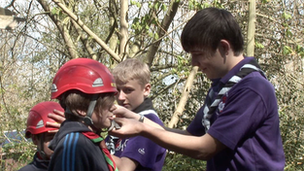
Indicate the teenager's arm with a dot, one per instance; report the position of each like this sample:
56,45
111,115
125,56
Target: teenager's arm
204,147
124,163
125,113
179,131
120,111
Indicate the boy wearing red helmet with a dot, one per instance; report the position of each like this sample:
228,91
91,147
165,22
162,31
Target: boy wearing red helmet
41,134
86,90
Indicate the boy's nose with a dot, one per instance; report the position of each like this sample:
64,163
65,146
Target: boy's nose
121,95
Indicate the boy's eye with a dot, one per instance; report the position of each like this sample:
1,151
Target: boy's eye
127,90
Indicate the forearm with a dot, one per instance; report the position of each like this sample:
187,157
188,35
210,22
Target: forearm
156,125
202,148
149,122
179,131
124,163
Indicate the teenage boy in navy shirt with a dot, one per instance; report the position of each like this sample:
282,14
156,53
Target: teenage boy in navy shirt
132,78
238,126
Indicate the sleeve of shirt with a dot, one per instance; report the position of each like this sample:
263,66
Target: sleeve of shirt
143,150
244,111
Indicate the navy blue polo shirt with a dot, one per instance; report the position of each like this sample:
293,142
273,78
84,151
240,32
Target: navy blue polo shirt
247,122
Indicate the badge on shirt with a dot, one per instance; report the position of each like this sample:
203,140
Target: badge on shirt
222,104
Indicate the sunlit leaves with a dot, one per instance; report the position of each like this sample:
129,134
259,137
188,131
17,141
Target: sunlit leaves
195,5
136,3
259,45
300,50
287,50
286,16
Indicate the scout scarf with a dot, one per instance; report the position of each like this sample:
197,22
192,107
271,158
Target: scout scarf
210,108
97,139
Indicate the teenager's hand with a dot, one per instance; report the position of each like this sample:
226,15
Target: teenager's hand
123,112
128,128
58,116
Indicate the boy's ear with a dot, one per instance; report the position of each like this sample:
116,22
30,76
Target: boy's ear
224,47
147,89
82,113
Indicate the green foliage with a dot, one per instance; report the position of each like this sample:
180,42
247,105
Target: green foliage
56,11
259,45
19,155
195,5
292,133
180,162
218,4
136,3
300,50
287,50
265,1
286,15
142,24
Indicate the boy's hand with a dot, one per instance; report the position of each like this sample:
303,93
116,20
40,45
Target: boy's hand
123,112
128,128
58,116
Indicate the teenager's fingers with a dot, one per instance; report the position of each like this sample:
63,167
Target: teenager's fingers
53,131
59,112
52,124
113,108
58,118
119,120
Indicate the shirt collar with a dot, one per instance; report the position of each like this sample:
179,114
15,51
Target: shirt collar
235,69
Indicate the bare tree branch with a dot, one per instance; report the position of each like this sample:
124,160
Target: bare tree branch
162,30
63,30
251,28
123,28
87,30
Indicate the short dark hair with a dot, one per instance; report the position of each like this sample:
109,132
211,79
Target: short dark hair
208,27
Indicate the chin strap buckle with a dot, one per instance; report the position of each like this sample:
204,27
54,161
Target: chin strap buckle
114,125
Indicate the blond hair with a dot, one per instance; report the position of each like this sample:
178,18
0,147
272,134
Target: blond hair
131,69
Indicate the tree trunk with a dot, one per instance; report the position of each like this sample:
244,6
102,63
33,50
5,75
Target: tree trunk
251,28
123,28
183,100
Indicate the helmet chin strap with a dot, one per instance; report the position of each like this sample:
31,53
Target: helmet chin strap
88,118
41,149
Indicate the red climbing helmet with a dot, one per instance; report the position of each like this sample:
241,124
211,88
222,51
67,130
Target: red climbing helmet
86,75
38,116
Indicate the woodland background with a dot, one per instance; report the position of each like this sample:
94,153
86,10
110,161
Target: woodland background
110,31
